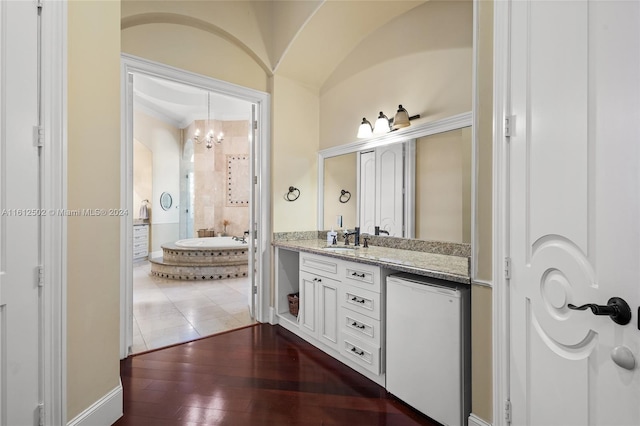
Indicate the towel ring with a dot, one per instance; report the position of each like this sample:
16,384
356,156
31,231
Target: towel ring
344,196
293,194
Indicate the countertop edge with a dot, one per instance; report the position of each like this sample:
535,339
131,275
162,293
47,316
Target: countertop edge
462,279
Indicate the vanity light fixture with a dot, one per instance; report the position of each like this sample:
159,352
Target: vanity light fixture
385,125
365,130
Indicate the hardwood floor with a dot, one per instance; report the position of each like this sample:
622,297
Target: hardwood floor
258,375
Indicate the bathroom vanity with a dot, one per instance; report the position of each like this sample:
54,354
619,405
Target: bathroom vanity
343,294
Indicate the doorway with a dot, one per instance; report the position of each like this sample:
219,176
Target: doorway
192,194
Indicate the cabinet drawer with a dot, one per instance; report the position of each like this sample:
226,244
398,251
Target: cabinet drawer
323,265
361,275
363,327
138,238
360,300
140,253
140,230
140,245
361,353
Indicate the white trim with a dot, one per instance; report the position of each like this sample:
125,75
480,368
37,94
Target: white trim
409,189
482,283
132,64
54,197
473,267
104,411
500,293
454,122
477,421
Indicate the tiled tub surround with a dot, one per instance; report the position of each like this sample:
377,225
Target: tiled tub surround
201,263
447,261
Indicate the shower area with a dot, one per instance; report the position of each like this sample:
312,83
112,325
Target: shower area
191,173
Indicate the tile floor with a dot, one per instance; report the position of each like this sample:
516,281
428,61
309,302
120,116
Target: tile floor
166,312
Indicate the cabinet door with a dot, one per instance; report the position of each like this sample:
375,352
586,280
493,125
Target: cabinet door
307,312
328,312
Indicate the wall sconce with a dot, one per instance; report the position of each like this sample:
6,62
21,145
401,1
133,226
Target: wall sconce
365,130
210,138
384,124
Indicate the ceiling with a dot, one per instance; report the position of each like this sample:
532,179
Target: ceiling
180,104
305,41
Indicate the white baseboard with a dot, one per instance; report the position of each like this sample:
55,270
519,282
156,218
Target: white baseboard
104,411
273,317
477,421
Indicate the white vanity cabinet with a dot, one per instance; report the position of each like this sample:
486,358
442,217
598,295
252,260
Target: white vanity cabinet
140,241
340,307
362,315
319,308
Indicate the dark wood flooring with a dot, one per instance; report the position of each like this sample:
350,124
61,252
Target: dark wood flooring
258,375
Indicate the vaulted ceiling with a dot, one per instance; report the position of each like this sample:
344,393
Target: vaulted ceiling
304,40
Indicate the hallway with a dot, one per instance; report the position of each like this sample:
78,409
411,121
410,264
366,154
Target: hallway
166,312
258,375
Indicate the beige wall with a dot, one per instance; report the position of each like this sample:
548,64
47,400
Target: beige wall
481,361
175,45
163,141
340,173
443,183
294,155
421,60
484,131
481,345
93,163
142,177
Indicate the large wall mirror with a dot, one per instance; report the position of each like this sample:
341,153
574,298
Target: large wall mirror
414,183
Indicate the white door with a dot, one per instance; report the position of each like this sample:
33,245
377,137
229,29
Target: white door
389,189
19,221
574,211
367,192
381,190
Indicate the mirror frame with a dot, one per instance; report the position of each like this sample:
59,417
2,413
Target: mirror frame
454,122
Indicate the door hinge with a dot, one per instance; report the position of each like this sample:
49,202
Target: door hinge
41,414
507,411
507,268
38,136
255,180
255,289
510,126
40,276
255,125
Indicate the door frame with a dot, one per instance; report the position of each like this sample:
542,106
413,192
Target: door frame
500,290
134,64
53,81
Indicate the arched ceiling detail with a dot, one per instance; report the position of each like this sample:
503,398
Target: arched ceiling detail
302,40
172,18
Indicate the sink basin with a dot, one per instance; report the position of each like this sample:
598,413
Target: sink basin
340,249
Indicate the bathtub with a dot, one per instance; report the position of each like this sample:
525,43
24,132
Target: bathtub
211,242
209,258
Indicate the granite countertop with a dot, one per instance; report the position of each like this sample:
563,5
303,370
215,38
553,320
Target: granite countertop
442,266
